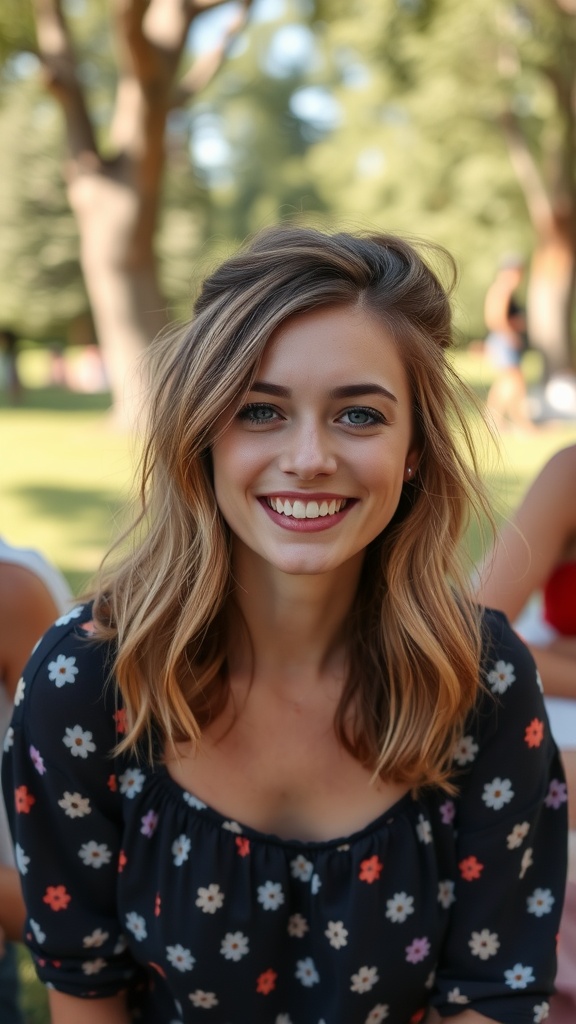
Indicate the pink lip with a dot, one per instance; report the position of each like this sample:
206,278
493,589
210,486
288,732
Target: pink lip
305,525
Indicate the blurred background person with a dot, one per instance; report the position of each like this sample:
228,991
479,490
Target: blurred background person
505,343
531,576
32,594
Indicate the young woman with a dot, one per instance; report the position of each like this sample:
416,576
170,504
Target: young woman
282,770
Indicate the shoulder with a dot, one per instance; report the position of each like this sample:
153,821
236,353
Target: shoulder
27,563
68,681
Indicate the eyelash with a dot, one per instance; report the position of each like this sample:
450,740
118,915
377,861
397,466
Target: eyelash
247,415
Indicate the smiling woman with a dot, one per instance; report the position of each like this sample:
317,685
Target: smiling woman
291,773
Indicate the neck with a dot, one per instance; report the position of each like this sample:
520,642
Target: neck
294,624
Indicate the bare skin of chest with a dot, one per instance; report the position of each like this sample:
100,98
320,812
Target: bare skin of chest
278,768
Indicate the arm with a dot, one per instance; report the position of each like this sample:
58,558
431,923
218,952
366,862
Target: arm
533,542
557,666
13,913
68,1010
26,611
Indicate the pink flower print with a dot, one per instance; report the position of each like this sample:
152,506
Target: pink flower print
243,846
149,823
157,905
37,761
417,950
557,794
447,812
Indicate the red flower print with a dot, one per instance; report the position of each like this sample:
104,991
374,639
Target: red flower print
112,783
57,897
157,905
23,800
243,846
534,733
120,719
157,967
370,869
266,982
470,868
418,1016
122,861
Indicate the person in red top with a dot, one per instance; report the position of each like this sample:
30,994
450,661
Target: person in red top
536,554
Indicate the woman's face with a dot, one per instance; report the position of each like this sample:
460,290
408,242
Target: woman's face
311,468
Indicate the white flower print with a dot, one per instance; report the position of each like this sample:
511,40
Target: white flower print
131,782
8,739
283,1018
446,895
22,861
80,742
519,976
95,939
232,826
270,895
498,793
234,946
297,926
336,934
378,1014
93,966
501,677
484,944
315,884
526,862
121,945
456,996
466,750
210,899
74,805
204,1000
541,1011
19,692
95,854
180,849
68,616
365,979
517,836
424,829
301,868
63,670
37,761
193,801
39,935
540,902
399,907
137,925
180,957
306,972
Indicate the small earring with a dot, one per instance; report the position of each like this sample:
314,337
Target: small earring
409,471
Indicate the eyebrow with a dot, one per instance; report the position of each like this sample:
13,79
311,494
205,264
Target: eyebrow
264,387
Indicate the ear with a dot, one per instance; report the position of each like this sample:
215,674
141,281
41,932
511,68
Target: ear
411,465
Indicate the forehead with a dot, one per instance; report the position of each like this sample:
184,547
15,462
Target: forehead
333,342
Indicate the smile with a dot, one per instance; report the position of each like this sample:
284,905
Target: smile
306,509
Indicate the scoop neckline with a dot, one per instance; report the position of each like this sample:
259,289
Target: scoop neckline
222,821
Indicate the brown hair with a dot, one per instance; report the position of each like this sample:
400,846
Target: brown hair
413,642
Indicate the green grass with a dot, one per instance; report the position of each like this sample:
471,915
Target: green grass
65,474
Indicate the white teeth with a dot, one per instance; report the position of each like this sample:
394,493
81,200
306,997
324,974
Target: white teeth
306,509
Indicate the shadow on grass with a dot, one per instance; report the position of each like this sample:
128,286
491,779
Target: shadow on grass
71,504
56,400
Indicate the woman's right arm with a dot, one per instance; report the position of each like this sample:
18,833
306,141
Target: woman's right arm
69,1010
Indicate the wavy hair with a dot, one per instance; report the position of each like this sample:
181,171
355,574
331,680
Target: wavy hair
414,635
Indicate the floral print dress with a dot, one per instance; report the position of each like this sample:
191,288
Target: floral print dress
133,883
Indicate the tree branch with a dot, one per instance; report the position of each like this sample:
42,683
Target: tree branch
56,53
208,64
528,174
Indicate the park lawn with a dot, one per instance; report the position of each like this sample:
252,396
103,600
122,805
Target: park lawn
66,473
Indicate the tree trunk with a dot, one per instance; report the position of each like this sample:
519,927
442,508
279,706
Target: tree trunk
550,300
121,281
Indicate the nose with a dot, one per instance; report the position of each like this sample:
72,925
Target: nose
308,452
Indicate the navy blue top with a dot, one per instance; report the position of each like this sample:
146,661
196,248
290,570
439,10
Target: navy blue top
132,882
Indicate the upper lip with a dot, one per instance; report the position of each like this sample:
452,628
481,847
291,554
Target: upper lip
306,496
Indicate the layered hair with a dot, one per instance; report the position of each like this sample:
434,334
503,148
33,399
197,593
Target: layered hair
413,638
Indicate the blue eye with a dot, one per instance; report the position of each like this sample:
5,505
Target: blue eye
257,413
361,416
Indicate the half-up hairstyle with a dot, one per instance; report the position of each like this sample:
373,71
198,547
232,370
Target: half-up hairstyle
414,635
